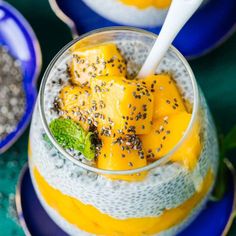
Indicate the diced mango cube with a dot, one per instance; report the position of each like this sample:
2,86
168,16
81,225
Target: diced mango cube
75,104
89,62
166,133
122,105
114,156
167,98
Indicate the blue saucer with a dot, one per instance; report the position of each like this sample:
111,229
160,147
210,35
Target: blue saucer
17,35
209,27
215,220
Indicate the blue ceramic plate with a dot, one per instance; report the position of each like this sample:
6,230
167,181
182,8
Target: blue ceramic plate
214,220
17,35
210,26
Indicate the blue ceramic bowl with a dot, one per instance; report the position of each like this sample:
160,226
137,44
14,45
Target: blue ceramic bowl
211,25
17,35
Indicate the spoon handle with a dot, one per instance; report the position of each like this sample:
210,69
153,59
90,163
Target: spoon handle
179,13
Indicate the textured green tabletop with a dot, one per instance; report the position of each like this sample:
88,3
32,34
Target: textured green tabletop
215,72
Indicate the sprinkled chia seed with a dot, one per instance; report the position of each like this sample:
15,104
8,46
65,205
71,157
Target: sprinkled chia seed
12,97
130,164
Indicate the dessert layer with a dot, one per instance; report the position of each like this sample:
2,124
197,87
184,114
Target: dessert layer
90,219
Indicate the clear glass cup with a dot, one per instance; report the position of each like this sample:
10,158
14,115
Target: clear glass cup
85,200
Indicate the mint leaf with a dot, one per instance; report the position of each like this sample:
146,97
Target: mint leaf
47,140
227,143
67,133
220,186
71,135
89,148
230,140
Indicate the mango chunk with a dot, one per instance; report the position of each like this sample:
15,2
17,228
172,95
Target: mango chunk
122,105
75,104
114,156
166,133
89,62
167,99
190,150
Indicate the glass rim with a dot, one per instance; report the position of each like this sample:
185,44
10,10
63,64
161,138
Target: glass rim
77,162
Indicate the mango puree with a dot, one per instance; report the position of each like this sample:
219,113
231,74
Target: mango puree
148,3
90,219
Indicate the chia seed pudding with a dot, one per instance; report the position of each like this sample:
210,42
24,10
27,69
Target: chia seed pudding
12,97
163,190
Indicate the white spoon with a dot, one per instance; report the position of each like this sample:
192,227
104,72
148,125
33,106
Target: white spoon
179,13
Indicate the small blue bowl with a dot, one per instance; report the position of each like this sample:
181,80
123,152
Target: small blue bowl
17,35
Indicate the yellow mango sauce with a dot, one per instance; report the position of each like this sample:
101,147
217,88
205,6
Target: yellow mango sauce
90,219
142,4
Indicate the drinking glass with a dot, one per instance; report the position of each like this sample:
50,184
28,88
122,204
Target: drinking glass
82,199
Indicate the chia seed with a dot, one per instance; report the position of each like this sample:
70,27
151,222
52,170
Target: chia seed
12,97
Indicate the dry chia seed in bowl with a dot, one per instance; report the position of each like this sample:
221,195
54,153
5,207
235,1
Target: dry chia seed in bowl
12,96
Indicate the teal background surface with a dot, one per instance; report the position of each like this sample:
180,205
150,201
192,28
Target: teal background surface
215,73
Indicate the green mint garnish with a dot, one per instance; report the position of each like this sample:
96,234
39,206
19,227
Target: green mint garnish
47,140
89,148
227,143
71,135
230,140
